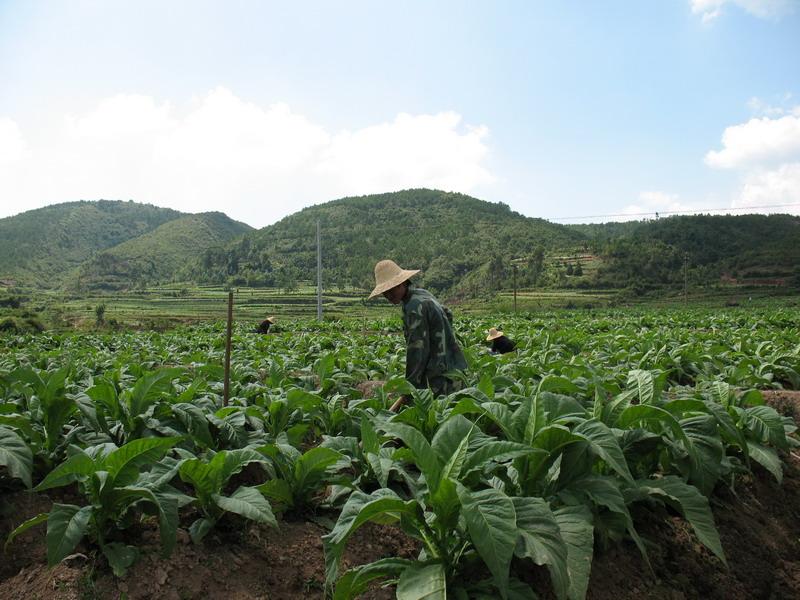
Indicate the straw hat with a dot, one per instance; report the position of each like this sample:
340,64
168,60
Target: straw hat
388,275
493,334
270,319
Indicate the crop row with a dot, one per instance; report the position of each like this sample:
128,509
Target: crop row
541,454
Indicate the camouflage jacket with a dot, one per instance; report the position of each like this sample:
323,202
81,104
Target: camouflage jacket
431,346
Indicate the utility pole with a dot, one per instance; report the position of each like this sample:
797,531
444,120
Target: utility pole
227,385
515,288
685,278
319,276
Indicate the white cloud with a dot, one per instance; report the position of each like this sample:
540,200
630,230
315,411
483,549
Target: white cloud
12,145
257,164
762,108
759,141
776,191
118,116
767,153
390,155
709,10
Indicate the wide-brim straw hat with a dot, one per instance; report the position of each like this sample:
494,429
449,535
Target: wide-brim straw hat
388,275
493,334
270,319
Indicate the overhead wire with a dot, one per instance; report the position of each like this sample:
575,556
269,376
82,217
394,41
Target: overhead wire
674,212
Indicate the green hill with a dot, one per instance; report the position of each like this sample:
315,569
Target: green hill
453,238
157,256
754,249
41,247
463,245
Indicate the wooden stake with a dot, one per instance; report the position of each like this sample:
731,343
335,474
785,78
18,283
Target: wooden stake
226,393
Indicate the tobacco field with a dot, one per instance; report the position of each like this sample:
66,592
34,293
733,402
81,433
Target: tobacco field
510,488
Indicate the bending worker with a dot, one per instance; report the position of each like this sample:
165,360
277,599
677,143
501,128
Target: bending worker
431,347
264,326
500,343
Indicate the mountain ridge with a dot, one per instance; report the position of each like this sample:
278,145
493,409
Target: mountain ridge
459,242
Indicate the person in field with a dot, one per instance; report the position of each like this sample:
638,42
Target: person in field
264,326
431,347
500,343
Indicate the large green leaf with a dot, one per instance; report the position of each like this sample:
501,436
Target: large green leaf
577,529
359,509
232,462
200,528
701,431
495,451
278,490
603,491
426,459
645,386
125,463
16,456
540,540
66,526
766,426
353,583
193,418
120,557
536,419
451,443
603,443
210,477
249,503
422,582
448,442
730,433
23,527
167,503
149,388
692,505
104,393
76,466
382,465
492,526
311,467
767,458
369,437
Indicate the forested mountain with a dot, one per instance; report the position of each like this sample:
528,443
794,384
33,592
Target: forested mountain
41,247
744,247
462,245
455,239
157,256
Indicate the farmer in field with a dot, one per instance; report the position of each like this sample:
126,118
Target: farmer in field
500,343
431,347
264,326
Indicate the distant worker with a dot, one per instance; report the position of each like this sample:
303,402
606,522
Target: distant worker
500,343
431,347
265,325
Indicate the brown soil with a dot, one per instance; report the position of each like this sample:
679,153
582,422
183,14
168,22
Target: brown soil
368,389
758,521
786,402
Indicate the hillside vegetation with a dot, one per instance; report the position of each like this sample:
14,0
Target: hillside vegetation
746,249
453,238
41,247
464,246
157,256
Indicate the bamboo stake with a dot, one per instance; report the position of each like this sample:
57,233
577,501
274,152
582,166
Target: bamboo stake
226,393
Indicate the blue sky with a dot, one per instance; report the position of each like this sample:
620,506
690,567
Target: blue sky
560,109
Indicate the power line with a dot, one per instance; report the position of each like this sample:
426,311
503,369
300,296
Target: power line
276,238
673,212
